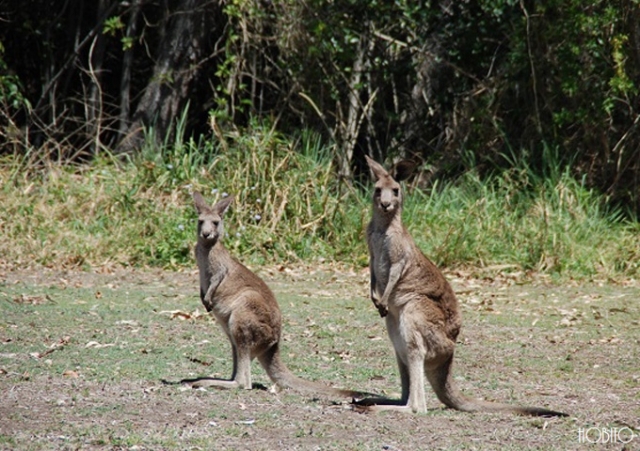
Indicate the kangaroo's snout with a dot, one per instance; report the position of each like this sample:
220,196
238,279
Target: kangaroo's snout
209,229
208,235
387,200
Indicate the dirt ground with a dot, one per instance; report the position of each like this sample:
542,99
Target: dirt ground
83,356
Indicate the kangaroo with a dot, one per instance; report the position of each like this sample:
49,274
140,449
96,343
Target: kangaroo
245,307
419,306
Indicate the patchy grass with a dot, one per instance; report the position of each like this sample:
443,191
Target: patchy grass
82,356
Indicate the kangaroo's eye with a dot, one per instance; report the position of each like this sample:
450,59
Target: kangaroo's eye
215,223
377,191
396,191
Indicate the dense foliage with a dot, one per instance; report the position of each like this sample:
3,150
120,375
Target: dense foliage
485,84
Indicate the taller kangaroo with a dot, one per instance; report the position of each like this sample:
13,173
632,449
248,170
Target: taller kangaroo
244,306
419,306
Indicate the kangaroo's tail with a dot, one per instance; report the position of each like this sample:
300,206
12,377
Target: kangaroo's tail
282,376
441,380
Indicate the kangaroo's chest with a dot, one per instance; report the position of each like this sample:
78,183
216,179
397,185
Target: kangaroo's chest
213,279
385,252
381,265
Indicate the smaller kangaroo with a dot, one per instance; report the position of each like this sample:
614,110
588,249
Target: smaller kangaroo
245,307
420,308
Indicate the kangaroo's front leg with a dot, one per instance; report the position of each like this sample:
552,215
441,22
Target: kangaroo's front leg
214,282
375,295
395,272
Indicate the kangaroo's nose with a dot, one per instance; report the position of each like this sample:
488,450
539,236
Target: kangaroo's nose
385,205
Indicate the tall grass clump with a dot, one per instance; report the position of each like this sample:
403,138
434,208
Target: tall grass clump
517,221
288,205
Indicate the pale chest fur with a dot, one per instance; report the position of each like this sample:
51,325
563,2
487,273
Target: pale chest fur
387,247
213,267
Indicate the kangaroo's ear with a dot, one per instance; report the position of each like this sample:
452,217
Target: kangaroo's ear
222,206
199,201
403,170
377,171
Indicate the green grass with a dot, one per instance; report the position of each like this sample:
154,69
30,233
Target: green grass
290,207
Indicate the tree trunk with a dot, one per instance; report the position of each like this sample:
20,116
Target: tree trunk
174,72
94,100
127,67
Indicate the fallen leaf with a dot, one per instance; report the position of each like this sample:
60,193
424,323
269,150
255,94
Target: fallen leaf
181,315
197,360
95,344
71,374
173,314
248,421
32,300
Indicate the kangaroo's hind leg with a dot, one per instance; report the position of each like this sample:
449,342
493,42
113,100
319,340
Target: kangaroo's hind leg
243,370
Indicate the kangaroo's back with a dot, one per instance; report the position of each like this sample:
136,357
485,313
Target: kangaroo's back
424,282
